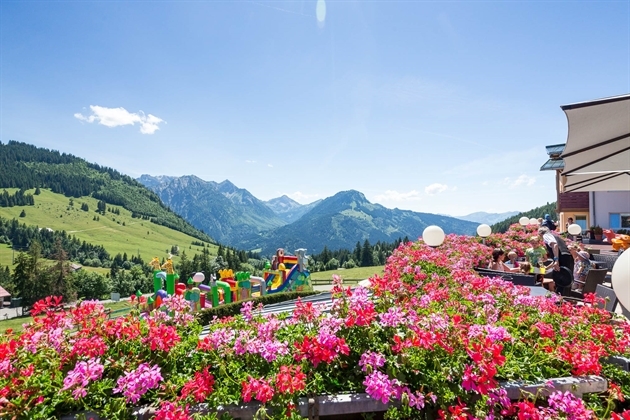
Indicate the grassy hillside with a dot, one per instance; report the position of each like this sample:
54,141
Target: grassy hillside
26,166
118,233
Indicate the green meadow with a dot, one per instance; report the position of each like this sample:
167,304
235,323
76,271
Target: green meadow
118,233
350,275
117,309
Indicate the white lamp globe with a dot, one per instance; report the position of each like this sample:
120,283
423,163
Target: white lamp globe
621,278
533,221
484,230
524,221
574,229
433,235
198,277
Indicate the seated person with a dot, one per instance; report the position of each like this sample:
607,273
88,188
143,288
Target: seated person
525,267
497,262
581,268
512,259
536,254
548,284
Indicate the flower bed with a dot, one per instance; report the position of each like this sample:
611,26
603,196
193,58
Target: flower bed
434,340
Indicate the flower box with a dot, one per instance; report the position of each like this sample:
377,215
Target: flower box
350,405
622,362
430,337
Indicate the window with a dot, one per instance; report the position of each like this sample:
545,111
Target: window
581,220
619,220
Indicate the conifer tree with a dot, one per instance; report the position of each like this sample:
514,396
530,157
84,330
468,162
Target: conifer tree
357,253
61,281
367,258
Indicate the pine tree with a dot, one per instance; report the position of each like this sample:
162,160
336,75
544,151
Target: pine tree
325,255
31,280
205,265
221,251
367,259
356,256
185,268
23,213
6,281
61,281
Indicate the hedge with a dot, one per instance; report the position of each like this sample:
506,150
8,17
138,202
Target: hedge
231,309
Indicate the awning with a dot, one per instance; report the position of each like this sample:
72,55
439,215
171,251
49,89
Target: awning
4,293
615,181
598,143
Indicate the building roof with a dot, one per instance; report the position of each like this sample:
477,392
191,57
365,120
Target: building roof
555,162
552,165
555,150
4,293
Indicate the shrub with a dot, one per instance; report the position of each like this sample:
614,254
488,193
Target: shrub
231,309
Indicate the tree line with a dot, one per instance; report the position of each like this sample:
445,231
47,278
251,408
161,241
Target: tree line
33,279
549,208
365,255
18,198
20,236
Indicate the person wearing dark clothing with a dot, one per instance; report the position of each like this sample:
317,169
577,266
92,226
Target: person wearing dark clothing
559,251
548,223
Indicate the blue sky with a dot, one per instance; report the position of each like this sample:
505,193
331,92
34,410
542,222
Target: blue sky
441,107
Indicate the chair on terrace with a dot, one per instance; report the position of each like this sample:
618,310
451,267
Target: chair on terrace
594,277
606,293
606,261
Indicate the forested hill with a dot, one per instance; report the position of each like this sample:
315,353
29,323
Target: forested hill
26,166
549,208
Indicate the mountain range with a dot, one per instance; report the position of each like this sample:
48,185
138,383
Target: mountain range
488,218
233,216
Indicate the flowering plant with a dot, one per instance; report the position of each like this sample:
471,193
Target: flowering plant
430,336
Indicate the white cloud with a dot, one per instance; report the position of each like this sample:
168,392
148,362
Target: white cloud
115,117
521,180
395,196
270,165
435,189
250,161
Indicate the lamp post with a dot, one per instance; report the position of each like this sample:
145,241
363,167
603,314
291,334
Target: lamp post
533,221
574,229
524,221
484,231
433,236
621,279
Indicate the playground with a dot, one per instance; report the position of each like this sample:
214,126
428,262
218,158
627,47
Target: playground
285,273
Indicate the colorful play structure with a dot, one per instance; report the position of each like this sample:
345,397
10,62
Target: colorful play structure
287,272
284,273
618,241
